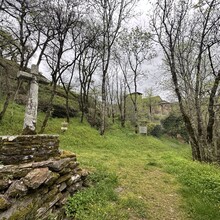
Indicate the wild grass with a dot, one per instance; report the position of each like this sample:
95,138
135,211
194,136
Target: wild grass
132,176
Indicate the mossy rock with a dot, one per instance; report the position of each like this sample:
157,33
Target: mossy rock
66,154
4,203
22,212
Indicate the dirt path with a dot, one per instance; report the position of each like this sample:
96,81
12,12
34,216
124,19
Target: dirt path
158,191
162,196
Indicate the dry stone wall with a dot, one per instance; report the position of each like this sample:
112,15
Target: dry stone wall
26,148
39,188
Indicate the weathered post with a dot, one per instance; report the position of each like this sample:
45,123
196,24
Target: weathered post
30,118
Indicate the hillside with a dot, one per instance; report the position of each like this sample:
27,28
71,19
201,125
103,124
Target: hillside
19,91
131,176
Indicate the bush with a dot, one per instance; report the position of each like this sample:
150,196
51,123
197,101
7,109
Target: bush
157,131
150,127
173,126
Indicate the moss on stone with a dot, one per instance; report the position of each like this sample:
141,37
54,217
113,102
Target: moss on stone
22,212
4,203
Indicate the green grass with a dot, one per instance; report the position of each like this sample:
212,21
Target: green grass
132,176
131,156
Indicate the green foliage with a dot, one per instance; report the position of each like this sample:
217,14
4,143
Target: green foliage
150,127
92,203
173,125
126,160
201,187
157,131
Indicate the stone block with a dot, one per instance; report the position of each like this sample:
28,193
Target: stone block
73,188
59,164
63,178
36,177
75,178
17,189
51,178
62,186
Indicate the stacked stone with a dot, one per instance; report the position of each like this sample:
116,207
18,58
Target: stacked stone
36,178
38,190
26,148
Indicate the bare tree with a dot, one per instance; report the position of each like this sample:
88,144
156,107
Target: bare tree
110,15
19,22
5,70
88,64
121,94
64,19
136,48
189,36
111,94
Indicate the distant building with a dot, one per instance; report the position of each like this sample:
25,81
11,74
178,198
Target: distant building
149,108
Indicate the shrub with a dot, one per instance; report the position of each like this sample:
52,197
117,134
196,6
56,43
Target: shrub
150,127
157,131
174,125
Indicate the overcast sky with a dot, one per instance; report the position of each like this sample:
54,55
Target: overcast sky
154,67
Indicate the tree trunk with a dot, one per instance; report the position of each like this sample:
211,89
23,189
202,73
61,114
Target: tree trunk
5,106
67,108
49,109
136,123
7,99
103,111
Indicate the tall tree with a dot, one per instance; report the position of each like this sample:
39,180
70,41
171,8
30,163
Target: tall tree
88,63
19,22
64,19
5,70
82,37
136,48
110,14
189,36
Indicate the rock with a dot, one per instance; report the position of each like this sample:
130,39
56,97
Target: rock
15,172
72,189
67,154
17,188
47,206
62,186
36,177
4,184
51,178
4,203
73,179
73,165
84,174
59,164
65,171
42,163
63,178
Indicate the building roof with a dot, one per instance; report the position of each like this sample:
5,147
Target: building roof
138,93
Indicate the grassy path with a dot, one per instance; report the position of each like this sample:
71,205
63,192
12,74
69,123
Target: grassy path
144,189
133,177
140,177
161,193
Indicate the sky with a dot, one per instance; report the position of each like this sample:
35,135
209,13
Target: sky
153,68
